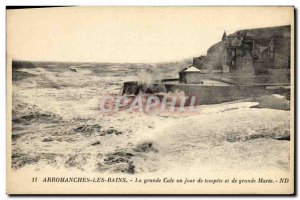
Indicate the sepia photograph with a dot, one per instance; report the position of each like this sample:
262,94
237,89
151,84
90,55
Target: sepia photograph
150,100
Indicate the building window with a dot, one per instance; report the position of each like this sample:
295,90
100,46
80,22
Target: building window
233,53
264,56
271,45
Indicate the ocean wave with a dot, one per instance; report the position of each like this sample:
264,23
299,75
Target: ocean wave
24,114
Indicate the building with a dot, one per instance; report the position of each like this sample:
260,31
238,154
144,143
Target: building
191,75
258,50
252,52
199,62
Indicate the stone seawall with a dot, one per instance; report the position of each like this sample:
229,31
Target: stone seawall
218,94
206,94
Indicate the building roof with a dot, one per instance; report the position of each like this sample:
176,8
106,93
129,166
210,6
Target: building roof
191,69
264,33
236,42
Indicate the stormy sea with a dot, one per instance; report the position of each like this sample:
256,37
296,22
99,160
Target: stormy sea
56,121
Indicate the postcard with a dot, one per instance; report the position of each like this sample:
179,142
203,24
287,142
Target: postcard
150,100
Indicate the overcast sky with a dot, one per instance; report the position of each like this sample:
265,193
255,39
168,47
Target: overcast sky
136,34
